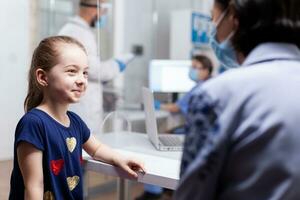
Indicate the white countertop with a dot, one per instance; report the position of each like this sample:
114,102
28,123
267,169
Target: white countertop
162,166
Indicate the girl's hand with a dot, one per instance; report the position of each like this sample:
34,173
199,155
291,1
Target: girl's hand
104,153
131,166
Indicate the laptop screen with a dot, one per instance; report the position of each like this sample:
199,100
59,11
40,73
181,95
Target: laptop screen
151,125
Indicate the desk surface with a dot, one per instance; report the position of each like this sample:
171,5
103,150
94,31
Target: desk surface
162,166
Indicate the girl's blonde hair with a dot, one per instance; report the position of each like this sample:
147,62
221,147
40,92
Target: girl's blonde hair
45,56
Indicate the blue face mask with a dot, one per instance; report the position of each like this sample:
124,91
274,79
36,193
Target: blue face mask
224,50
102,21
194,74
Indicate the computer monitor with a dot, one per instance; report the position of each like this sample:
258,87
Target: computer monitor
170,76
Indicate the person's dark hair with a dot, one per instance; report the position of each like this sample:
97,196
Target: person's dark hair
223,4
206,63
263,21
88,3
45,56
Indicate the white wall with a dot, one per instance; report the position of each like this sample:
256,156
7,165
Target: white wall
14,51
141,28
138,29
164,9
150,28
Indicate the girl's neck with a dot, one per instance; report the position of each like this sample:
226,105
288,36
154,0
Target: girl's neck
56,111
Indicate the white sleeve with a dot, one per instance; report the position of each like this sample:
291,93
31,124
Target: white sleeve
98,71
109,69
102,71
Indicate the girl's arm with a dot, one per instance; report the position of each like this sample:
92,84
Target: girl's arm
100,151
30,160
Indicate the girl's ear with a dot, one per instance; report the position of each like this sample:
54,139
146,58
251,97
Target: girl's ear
41,77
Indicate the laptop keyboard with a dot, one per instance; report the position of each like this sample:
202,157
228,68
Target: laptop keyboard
170,140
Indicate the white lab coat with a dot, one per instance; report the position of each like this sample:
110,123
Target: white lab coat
90,107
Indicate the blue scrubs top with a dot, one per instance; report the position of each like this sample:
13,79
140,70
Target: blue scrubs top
183,103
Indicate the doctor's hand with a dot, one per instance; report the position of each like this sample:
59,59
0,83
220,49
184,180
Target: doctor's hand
130,165
124,60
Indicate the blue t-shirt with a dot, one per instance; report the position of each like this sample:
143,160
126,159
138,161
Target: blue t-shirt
62,154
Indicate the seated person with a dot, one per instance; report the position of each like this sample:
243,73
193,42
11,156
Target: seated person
200,71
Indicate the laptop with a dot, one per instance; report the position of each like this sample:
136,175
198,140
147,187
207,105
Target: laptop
162,142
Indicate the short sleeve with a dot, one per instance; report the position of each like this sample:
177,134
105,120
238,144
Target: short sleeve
85,132
30,129
183,103
81,125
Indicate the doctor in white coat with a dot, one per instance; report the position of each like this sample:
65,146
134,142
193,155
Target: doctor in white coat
80,27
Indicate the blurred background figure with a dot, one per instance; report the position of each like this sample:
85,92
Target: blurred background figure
200,71
92,13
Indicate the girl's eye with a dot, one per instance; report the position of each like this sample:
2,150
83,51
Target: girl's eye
73,71
85,73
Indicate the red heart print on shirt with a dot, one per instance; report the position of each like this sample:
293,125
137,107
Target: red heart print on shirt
81,160
56,166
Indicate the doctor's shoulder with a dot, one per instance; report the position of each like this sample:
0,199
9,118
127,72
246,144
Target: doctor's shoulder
223,86
233,78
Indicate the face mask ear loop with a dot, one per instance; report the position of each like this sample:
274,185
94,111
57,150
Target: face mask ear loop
220,19
219,22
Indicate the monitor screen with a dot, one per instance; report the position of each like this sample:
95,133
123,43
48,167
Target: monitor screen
170,76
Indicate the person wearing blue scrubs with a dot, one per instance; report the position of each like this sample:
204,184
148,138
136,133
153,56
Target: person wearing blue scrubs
200,71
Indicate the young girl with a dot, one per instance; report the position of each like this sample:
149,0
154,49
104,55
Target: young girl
49,139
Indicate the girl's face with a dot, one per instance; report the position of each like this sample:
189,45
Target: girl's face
67,81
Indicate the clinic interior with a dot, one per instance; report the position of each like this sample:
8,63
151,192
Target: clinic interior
158,30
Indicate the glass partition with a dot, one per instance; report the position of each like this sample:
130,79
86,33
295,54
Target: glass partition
53,14
151,30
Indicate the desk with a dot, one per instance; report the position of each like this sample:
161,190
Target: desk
165,121
139,115
162,167
136,118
